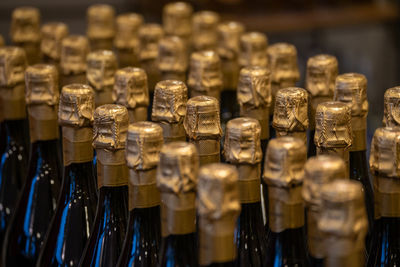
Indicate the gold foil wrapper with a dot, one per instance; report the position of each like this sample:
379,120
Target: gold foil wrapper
218,207
204,30
52,35
177,19
143,192
77,144
25,25
253,50
111,168
149,36
392,107
172,58
283,62
100,26
205,75
74,49
1,41
321,74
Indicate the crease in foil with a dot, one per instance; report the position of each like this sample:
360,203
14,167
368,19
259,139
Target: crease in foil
177,19
205,30
74,49
392,107
282,59
25,25
172,55
169,104
41,85
52,36
322,71
253,50
149,37
229,39
205,72
13,63
101,67
254,89
127,27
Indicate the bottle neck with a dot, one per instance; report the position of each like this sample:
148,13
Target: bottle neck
314,235
111,168
80,175
387,197
249,182
77,145
47,150
113,201
143,192
13,102
355,259
341,152
43,122
359,126
15,130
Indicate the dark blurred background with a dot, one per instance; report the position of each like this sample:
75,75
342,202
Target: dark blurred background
363,34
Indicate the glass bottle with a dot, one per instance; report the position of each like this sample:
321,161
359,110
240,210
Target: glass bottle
53,34
100,26
176,181
242,149
106,238
203,128
143,235
172,58
177,20
38,198
283,173
218,202
253,50
391,107
204,30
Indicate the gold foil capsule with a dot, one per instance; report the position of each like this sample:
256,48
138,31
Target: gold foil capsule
74,49
52,35
131,91
169,109
253,50
219,207
291,113
177,19
100,26
254,96
392,107
172,58
205,30
205,75
343,223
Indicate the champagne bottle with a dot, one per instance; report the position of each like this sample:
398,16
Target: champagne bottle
318,171
15,156
25,32
100,26
101,67
343,223
37,201
126,39
219,207
351,89
53,34
106,238
2,43
131,91
283,173
74,49
242,149
177,20
205,75
169,109
391,107
204,29
172,58
228,46
176,181
203,128
384,248
291,113
143,236
320,83
253,50
73,219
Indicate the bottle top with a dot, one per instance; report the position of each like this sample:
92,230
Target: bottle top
291,110
282,59
12,66
169,103
143,145
333,125
130,88
318,171
100,19
41,82
205,72
177,19
149,36
172,55
218,192
76,106
178,167
101,67
242,141
253,49
351,89
202,118
205,30
392,107
52,35
284,162
229,39
25,25
110,127
74,49
384,156
322,71
127,29
254,88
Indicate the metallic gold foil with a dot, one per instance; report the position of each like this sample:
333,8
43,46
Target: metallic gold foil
100,26
204,30
392,107
218,207
74,49
172,58
52,35
177,19
253,50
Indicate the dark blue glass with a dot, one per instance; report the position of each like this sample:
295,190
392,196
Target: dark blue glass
73,219
179,251
36,206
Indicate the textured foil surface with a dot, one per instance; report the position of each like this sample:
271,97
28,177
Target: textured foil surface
41,85
25,25
392,107
149,36
127,28
254,88
321,74
74,49
110,127
282,59
177,19
52,35
172,55
101,67
12,66
100,21
204,30
253,50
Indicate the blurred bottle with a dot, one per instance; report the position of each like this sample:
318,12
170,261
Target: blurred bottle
169,109
176,181
172,58
391,116
143,236
283,172
53,34
253,50
25,31
204,29
38,199
100,26
177,21
343,223
219,207
126,40
318,171
320,84
73,219
106,238
203,128
242,149
2,43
